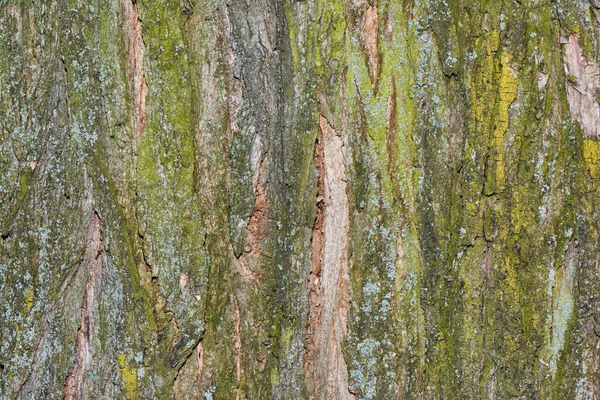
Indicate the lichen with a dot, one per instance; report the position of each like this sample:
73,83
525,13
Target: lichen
591,155
129,376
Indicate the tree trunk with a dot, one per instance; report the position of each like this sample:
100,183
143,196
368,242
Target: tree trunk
321,199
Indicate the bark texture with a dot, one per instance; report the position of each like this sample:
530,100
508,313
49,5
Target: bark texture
349,199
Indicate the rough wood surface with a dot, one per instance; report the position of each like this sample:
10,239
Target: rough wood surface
316,199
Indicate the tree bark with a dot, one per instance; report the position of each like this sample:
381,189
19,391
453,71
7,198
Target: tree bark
349,199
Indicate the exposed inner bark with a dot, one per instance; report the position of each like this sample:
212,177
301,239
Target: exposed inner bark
135,60
325,366
316,260
248,262
370,27
238,344
391,137
74,387
583,87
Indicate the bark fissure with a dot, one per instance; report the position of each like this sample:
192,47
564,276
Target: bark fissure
370,30
249,261
75,383
583,87
36,362
325,366
135,60
237,333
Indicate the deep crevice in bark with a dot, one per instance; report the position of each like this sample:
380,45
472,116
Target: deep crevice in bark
324,363
75,383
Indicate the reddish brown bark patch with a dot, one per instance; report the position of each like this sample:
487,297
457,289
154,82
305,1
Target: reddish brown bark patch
328,290
391,142
316,256
249,261
74,387
370,28
135,61
237,330
583,87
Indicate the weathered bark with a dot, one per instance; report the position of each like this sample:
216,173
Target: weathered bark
353,199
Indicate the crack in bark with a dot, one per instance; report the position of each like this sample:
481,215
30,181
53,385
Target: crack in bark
74,385
370,28
248,261
238,344
200,359
583,87
36,361
392,143
132,25
328,290
180,383
316,255
135,60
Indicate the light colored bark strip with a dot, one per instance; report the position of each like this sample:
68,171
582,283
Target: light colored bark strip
238,345
583,87
74,387
370,28
135,61
328,287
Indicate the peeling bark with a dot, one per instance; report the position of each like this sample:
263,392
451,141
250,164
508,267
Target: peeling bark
74,386
583,87
237,328
370,27
135,60
329,290
257,229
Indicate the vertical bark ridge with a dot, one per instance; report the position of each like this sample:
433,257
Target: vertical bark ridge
74,386
135,61
329,286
